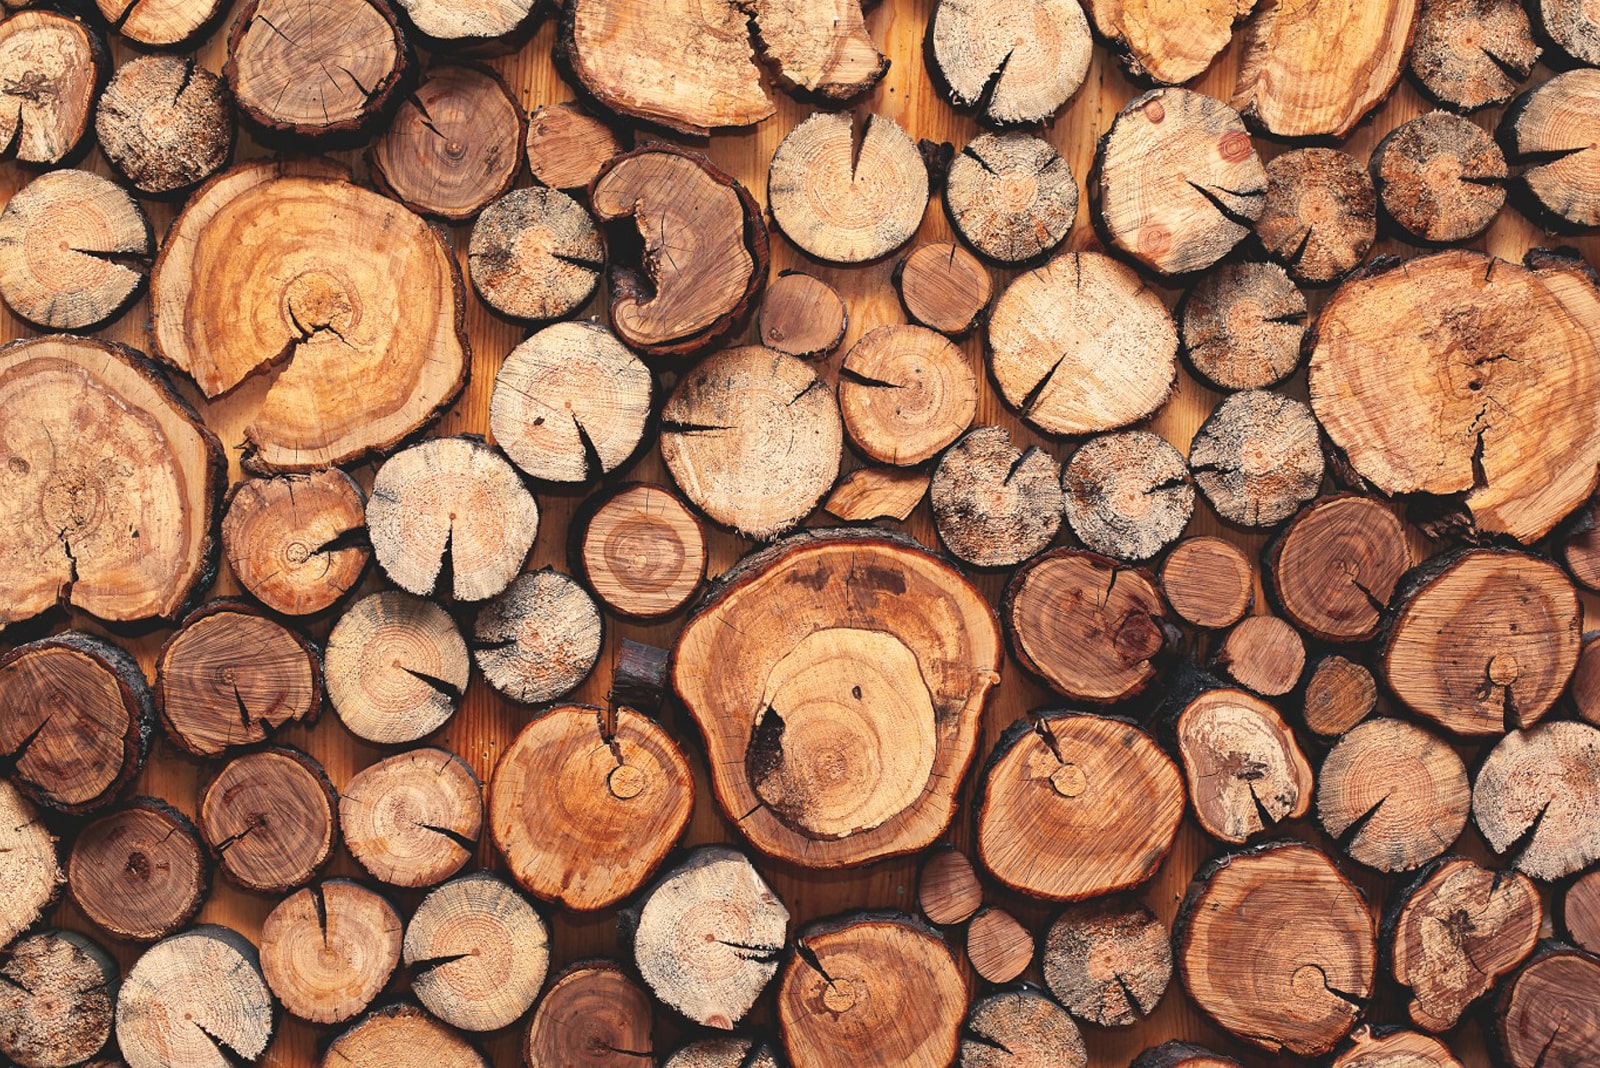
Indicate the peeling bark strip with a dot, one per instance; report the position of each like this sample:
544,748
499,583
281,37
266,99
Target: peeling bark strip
1017,62
1471,54
1020,1026
270,818
478,953
58,991
329,949
396,667
139,871
1108,961
51,66
413,819
165,123
595,1015
297,543
1167,41
195,1000
1321,215
1548,1014
1550,130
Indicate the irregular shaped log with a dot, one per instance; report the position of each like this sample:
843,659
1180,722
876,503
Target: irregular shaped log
1580,911
296,543
1456,930
1016,63
1550,130
231,677
412,819
1317,71
818,47
1483,640
993,504
324,71
593,1015
586,803
944,287
535,254
1577,545
1010,196
58,992
1393,795
1440,177
1306,932
1128,495
1339,694
1081,345
1167,41
370,360
802,316
1321,214
642,551
455,143
195,1000
478,953
882,985
74,249
639,676
1177,182
1108,962
1245,769
1459,416
1176,1054
51,66
476,27
842,202
402,1036
1264,655
139,871
270,818
1471,54
1335,567
163,23
753,438
869,493
1585,685
396,667
1208,582
452,501
1088,626
540,639
1572,28
1076,781
567,146
1548,1014
328,950
1258,458
28,862
1536,798
164,123
1020,1026
1389,1047
948,889
114,484
735,1052
708,935
702,247
1242,325
998,947
905,393
770,666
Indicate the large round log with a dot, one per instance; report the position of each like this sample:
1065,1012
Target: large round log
195,1000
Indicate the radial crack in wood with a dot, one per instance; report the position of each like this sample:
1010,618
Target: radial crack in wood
1246,771
1536,799
1014,61
328,950
1321,214
1392,795
297,543
195,1000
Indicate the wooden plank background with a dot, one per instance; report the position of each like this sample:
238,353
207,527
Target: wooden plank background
486,723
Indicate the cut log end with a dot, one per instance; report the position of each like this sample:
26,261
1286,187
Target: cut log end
642,552
165,123
195,999
51,65
297,543
1011,196
567,146
1321,214
995,505
1108,962
802,316
1264,655
1440,178
944,287
539,639
1392,795
999,948
1536,799
1548,1014
413,819
328,950
1208,582
905,393
1471,54
948,889
1128,494
478,953
402,1036
57,997
1016,63
1021,1025
396,667
140,871
1258,458
1335,567
1340,694
1242,326
1245,769
270,818
594,1014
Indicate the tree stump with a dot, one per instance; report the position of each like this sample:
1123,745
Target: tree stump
51,67
173,24
270,818
1258,458
906,392
1015,63
139,871
998,947
869,493
1020,1026
1245,769
838,679
1209,582
195,1000
328,950
28,862
1393,795
476,27
402,1036
1339,694
297,543
593,1016
165,123
539,639
1242,325
1076,781
1549,129
802,316
1010,196
948,889
1263,654
1321,214
1389,1047
944,287
478,953
535,255
413,819
1108,962
1335,566
1128,495
1536,799
1169,41
1440,177
395,667
1548,1014
1471,54
58,992
642,551
994,505
567,146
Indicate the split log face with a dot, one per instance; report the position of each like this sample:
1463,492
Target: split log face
688,67
1177,182
1128,495
570,403
994,505
753,438
195,1000
802,316
76,716
585,804
1264,655
1381,1047
1483,640
905,393
296,542
737,1052
1580,911
869,493
270,818
162,23
1335,567
1548,1014
285,60
57,999
112,484
28,863
1573,27
74,248
642,552
704,246
454,144
50,67
593,1016
539,639
1258,458
164,123
1457,929
1503,359
1021,1028
474,26
1246,772
413,819
838,680
819,47
1440,177
139,871
1551,129
1471,54
1242,325
944,287
231,677
1321,214
708,936
402,1036
1167,41
455,500
1393,795
1317,70
876,988
1081,346
1306,934
1108,961
232,293
1018,63
1011,196
1208,582
535,254
948,889
1088,626
1101,799
478,953
1339,694
1181,1055
567,146
329,949
998,947
395,667
1537,798
843,203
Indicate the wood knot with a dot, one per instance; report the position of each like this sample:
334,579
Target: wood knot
839,996
1069,780
1504,669
625,782
1154,110
1236,146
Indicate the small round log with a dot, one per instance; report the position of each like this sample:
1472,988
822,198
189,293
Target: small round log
139,871
948,889
1010,196
478,953
328,950
944,287
1258,458
906,392
1440,178
1548,1014
402,1036
567,146
1020,1026
802,316
1549,129
1335,567
58,992
270,818
642,551
165,24
1245,769
1471,54
1536,799
51,67
539,639
395,667
297,543
1242,325
993,504
595,1015
412,819
1208,582
1015,63
1108,962
165,123
998,947
1128,494
1393,795
535,254
1339,694
1321,215
195,1000
1264,655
